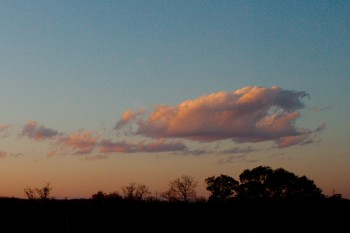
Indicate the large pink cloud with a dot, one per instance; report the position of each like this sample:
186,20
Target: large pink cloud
251,114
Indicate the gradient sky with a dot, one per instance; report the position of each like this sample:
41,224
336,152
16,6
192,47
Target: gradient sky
97,94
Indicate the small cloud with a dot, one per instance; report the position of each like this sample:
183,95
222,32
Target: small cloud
37,132
128,116
4,130
232,159
237,150
196,152
316,109
2,154
321,128
4,127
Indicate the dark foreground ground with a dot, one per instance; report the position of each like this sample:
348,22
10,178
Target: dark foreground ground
87,216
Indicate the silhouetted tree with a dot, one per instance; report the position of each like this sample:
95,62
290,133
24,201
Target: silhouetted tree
181,189
135,191
305,188
114,196
264,182
222,187
99,196
253,183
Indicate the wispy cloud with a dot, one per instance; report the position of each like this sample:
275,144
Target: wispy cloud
237,150
37,132
251,114
317,109
83,142
95,157
107,146
4,127
308,137
232,159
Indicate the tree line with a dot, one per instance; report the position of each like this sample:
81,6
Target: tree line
259,183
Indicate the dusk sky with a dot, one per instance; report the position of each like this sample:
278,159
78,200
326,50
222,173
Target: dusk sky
95,95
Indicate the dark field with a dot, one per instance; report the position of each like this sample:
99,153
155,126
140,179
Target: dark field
85,215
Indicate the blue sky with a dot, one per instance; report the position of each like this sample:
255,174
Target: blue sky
77,66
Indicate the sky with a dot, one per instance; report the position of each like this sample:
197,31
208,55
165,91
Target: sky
95,95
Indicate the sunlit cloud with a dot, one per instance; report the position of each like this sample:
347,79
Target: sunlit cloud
107,146
128,116
251,114
37,132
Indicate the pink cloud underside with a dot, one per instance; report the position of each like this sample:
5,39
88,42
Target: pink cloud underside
251,114
80,142
107,146
37,132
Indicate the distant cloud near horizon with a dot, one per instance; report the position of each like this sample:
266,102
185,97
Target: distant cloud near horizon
251,114
107,146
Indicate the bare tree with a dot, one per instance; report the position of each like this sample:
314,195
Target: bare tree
182,189
30,193
38,193
135,191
